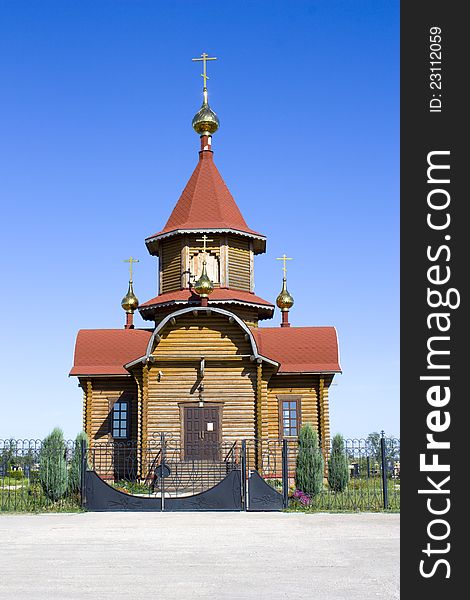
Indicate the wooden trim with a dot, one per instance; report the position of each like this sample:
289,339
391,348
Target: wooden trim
145,396
138,381
224,280
84,410
160,268
252,268
320,396
324,419
289,398
185,263
89,407
259,400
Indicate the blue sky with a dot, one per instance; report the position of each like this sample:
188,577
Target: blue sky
96,146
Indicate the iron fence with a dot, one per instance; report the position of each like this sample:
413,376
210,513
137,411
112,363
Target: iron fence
373,481
164,468
27,479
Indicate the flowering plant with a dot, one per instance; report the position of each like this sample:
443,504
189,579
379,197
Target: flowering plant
302,497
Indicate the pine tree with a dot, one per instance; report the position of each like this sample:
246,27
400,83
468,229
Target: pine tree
310,463
53,465
338,465
75,470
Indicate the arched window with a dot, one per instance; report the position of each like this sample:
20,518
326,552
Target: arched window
212,266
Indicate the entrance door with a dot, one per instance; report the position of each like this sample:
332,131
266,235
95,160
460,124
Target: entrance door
201,433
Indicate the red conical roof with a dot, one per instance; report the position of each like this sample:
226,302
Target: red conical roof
206,204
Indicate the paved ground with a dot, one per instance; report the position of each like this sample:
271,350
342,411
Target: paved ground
220,556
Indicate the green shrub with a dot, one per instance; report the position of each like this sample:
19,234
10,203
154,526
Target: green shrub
53,466
310,464
75,470
15,474
338,465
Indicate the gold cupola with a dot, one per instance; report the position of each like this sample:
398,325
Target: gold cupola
130,303
203,286
284,301
205,121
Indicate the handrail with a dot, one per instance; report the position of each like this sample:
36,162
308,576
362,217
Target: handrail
231,451
152,468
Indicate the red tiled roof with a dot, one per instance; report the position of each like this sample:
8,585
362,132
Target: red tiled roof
219,294
206,203
299,349
105,351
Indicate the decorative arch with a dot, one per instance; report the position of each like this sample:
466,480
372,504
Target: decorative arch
201,309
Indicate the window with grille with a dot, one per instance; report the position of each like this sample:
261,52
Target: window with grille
289,408
120,427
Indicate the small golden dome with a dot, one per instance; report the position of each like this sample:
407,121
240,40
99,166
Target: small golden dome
284,301
130,302
204,286
205,121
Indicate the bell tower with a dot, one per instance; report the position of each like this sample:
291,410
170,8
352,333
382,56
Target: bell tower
206,236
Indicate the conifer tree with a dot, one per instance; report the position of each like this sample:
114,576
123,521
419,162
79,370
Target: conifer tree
310,463
75,470
338,465
53,465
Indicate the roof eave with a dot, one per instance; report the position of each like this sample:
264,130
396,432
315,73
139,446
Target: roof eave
99,374
330,372
259,245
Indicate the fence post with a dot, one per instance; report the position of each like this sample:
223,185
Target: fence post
285,474
84,464
384,470
163,463
243,476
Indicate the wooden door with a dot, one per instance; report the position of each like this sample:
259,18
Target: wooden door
202,433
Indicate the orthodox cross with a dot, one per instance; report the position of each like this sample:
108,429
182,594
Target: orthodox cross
284,268
130,261
204,58
204,240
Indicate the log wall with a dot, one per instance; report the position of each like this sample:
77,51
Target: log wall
305,386
101,393
230,378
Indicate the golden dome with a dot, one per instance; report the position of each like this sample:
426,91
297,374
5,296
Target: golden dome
205,121
284,301
130,302
204,286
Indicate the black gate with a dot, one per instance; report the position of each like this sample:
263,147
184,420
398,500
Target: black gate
160,477
266,485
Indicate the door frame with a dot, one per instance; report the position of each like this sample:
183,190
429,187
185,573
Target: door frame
195,404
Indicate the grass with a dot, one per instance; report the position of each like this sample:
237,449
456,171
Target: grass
131,487
361,495
29,497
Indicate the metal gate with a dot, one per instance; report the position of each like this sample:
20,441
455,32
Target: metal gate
266,481
159,477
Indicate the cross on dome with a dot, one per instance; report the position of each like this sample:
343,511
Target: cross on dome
130,261
284,258
204,58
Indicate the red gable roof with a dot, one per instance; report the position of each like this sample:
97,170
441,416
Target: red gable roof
299,349
105,351
218,295
206,203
